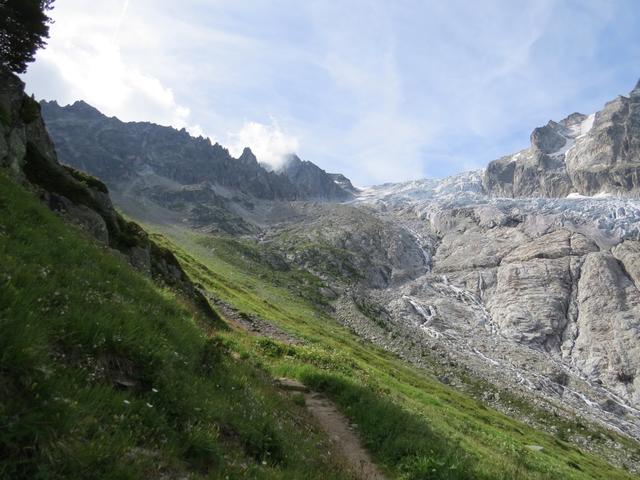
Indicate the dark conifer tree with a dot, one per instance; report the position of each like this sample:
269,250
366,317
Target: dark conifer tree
24,28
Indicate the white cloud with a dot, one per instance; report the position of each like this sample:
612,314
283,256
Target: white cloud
84,55
269,143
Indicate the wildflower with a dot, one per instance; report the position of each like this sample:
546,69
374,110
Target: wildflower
149,405
154,390
127,402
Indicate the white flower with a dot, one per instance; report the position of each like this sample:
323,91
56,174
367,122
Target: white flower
149,405
127,402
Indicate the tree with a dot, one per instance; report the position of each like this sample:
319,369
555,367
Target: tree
24,28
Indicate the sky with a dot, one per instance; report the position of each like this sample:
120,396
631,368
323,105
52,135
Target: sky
380,91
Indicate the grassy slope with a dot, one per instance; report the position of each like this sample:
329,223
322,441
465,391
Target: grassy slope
414,426
105,375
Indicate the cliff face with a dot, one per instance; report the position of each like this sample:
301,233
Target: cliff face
120,152
585,155
28,154
315,182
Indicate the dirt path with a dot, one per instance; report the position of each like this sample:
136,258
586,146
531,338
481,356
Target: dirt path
330,419
251,323
338,428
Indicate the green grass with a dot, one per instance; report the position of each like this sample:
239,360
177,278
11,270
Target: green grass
103,375
264,264
415,426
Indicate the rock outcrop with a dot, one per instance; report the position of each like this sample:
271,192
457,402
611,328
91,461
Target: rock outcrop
29,156
314,182
607,346
536,294
585,155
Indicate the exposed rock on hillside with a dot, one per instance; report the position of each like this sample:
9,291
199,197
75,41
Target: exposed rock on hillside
607,346
29,155
539,294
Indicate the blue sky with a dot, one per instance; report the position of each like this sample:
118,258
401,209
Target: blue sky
378,90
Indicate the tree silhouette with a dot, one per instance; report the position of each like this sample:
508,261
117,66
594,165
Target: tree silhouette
24,28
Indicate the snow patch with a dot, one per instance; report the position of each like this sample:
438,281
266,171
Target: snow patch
574,133
562,151
587,125
576,195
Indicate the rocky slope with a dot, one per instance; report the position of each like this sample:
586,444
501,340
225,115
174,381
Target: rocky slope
586,155
27,152
538,293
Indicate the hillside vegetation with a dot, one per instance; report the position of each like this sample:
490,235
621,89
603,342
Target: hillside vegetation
105,375
414,425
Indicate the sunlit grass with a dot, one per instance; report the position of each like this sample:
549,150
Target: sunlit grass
104,375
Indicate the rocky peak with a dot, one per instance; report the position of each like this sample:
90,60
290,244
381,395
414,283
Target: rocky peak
343,182
293,163
83,108
635,93
548,139
310,178
573,120
248,157
587,155
78,108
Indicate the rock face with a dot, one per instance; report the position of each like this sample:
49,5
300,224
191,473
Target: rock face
607,346
315,182
586,155
28,154
343,244
541,293
343,182
120,153
607,160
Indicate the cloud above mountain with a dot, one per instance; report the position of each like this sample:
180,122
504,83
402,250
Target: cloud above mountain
268,142
380,91
87,63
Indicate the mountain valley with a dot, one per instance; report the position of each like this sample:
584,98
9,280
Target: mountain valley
516,286
466,327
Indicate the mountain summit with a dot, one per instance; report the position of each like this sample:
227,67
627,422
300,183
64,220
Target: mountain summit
311,179
598,154
124,152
